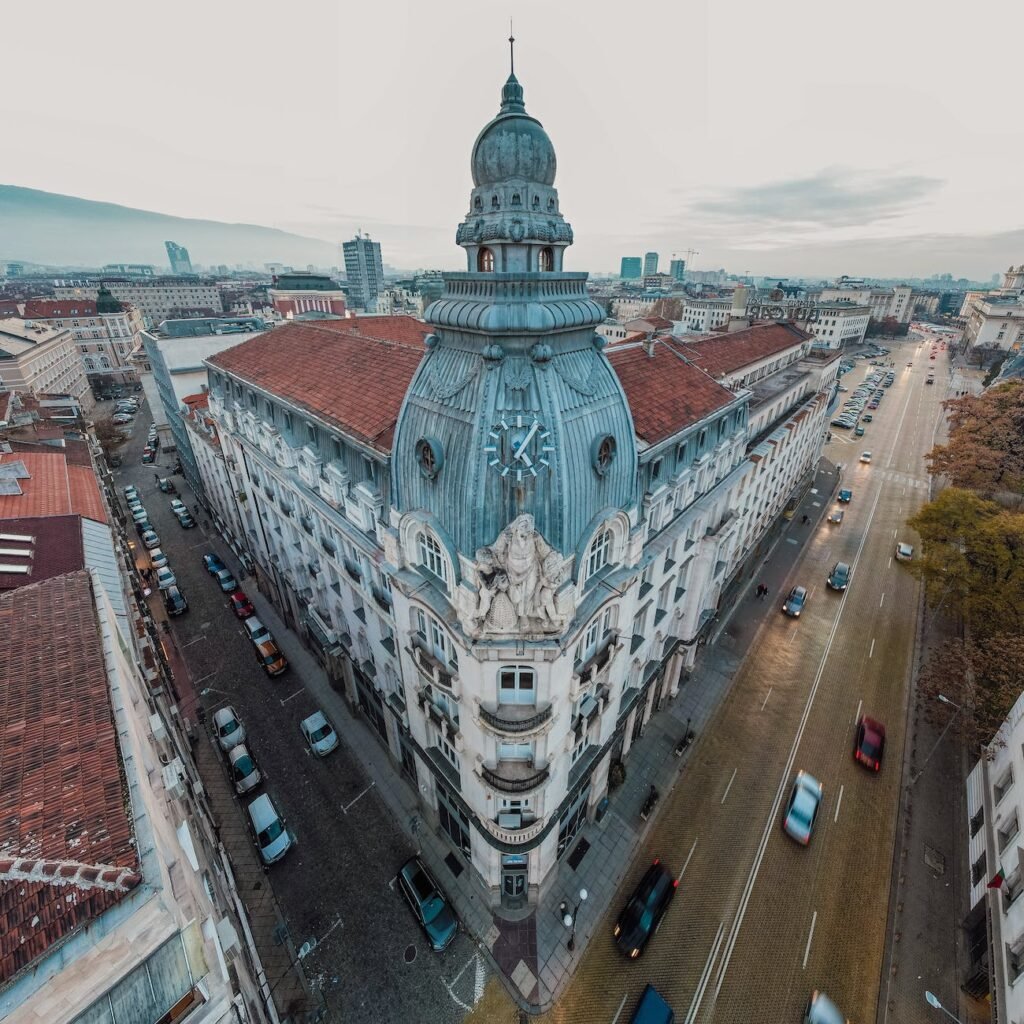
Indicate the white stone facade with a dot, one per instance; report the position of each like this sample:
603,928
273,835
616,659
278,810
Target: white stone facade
703,315
39,359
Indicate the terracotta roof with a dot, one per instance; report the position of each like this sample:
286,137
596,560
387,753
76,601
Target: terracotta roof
665,392
350,373
48,309
9,307
55,548
50,487
730,352
74,449
66,850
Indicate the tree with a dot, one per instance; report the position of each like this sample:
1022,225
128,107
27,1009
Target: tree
108,435
670,309
984,677
985,451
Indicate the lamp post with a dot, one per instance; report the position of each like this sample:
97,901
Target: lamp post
924,764
933,1000
569,919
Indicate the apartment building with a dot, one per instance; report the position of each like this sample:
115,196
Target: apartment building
702,315
883,302
40,359
995,321
839,324
156,299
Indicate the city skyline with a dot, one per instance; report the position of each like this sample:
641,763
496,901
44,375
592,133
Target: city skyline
817,175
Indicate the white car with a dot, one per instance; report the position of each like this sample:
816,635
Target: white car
165,578
320,735
865,456
244,772
228,728
139,514
121,418
904,552
158,558
150,540
131,491
178,506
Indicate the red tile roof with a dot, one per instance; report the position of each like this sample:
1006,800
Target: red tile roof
665,392
730,352
8,308
55,548
52,487
350,373
48,309
74,449
66,849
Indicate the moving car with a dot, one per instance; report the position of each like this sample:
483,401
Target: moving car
241,605
869,743
795,602
270,657
845,495
319,733
837,516
157,558
245,775
273,840
652,1009
904,552
930,380
213,564
225,580
645,909
150,539
821,1010
228,727
167,486
428,904
865,456
174,601
839,577
165,577
867,417
802,807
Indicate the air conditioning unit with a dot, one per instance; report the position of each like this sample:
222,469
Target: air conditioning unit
174,779
156,727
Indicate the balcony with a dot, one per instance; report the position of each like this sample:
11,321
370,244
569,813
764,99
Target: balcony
508,833
516,719
353,569
382,598
599,659
435,670
514,776
328,546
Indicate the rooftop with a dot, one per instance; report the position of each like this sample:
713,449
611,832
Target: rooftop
46,308
725,353
45,483
19,336
33,550
66,836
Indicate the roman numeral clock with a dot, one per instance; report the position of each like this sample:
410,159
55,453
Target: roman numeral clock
518,447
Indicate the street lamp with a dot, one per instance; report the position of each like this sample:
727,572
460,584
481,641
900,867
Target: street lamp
933,1000
924,764
569,919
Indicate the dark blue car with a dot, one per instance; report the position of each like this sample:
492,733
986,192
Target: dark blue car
428,904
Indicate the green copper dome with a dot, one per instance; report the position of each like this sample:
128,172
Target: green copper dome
513,145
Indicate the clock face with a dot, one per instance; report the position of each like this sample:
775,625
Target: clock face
519,447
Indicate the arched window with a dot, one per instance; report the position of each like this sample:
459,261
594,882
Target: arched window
516,201
551,203
494,203
485,261
517,685
435,639
546,260
536,202
431,556
478,203
600,552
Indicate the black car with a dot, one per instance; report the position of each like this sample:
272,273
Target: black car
186,521
642,915
175,601
839,577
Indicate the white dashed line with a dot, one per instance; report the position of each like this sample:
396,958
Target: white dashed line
766,696
807,951
619,1010
871,653
882,601
856,716
679,877
839,803
731,781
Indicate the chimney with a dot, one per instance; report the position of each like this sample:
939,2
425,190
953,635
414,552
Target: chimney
648,344
738,319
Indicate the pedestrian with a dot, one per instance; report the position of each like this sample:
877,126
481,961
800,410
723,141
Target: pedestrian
156,477
806,519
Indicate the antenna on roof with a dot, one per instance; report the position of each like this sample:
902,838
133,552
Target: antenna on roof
511,48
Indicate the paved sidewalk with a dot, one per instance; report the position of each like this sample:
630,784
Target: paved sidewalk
531,953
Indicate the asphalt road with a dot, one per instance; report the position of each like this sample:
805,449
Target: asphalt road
371,962
758,921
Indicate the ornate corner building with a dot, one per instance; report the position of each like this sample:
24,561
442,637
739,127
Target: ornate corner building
504,542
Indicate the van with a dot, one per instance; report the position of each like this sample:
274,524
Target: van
273,840
652,1009
256,630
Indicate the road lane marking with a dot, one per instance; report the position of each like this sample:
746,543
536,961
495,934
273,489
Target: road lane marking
880,603
871,653
191,642
894,533
807,951
351,803
780,792
889,566
811,594
625,995
792,636
679,877
839,803
705,977
860,704
295,694
731,781
766,696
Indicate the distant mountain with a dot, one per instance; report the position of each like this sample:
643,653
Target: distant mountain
45,227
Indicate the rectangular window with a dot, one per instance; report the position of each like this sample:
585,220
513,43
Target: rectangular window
311,433
516,685
680,455
288,422
511,751
1007,833
1003,784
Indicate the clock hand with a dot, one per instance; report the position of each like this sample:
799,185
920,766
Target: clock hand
526,440
526,460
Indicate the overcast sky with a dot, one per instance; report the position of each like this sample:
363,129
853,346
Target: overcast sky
788,138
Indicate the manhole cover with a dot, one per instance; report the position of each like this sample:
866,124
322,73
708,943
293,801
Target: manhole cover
410,954
934,860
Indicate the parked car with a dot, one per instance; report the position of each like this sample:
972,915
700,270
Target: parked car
256,630
839,577
645,909
167,486
165,577
904,552
150,539
867,417
120,418
845,495
174,601
228,727
869,743
178,506
138,513
319,733
930,380
795,602
131,491
147,458
245,774
428,904
241,605
270,657
225,580
859,432
802,807
157,558
213,564
273,840
185,521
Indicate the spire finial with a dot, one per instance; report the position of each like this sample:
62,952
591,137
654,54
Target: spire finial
511,48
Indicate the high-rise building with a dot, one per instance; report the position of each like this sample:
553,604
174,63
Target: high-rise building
178,255
364,270
677,270
650,263
632,268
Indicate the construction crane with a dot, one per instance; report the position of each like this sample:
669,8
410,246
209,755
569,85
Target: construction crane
688,253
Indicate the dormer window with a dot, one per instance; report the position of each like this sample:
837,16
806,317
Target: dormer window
551,203
600,552
536,202
494,203
485,261
546,260
516,201
431,557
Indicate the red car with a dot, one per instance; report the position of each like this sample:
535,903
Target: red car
869,743
241,605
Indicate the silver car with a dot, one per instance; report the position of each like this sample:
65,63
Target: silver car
821,1010
319,733
228,727
244,773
